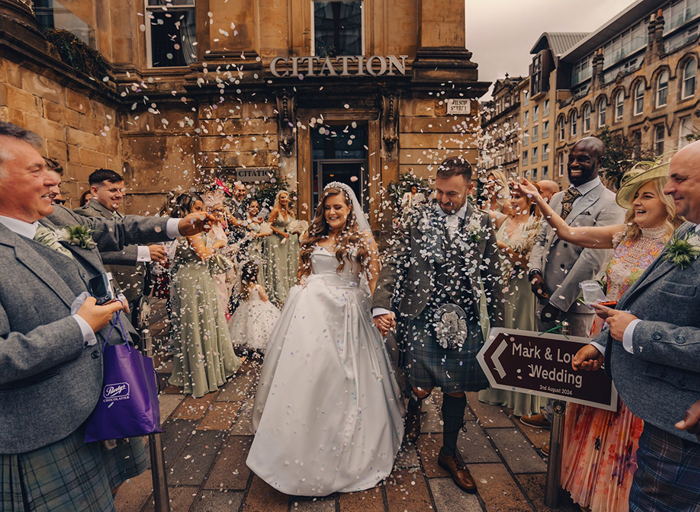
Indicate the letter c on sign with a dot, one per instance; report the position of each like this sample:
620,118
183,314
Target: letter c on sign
273,67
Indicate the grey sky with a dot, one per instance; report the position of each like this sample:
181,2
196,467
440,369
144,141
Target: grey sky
501,33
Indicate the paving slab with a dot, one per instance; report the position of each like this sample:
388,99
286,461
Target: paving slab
230,471
371,500
517,450
134,493
450,498
220,416
193,408
327,504
489,415
497,488
242,426
242,385
168,403
537,436
407,491
429,446
181,499
176,433
533,485
474,445
407,457
196,458
263,498
217,501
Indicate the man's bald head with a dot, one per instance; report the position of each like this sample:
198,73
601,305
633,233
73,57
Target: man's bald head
548,188
684,182
593,145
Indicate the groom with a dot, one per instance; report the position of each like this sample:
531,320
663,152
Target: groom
444,262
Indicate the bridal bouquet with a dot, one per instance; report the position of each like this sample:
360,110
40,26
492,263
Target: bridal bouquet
298,227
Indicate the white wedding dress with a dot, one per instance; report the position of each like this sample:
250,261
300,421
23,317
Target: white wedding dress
328,413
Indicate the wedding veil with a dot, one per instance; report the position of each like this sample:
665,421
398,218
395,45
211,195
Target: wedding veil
362,223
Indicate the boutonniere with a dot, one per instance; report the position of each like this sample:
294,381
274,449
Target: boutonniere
683,251
474,229
77,235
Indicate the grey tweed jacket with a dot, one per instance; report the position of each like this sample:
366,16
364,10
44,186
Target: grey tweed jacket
661,379
50,382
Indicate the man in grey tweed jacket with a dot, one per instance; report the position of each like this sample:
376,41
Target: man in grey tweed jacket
50,357
652,351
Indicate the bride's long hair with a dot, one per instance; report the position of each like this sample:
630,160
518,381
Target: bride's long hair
351,240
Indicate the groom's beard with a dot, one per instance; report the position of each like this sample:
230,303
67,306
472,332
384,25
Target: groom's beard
451,208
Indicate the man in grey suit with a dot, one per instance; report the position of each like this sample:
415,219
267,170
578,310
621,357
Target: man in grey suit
652,351
50,357
557,267
443,259
108,191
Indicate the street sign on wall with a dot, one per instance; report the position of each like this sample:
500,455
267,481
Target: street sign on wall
254,174
531,362
459,107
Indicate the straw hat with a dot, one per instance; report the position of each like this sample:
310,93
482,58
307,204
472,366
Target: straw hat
641,174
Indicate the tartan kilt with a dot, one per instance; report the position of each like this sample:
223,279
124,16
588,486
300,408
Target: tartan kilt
68,475
429,365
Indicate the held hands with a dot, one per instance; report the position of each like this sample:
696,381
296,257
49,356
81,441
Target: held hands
587,358
691,421
550,313
617,320
538,286
195,223
158,253
98,316
385,322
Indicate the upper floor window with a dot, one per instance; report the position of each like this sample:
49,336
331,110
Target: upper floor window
619,105
560,164
662,89
689,79
562,132
526,118
545,130
526,98
602,107
337,27
535,133
639,98
574,123
535,113
171,33
51,14
685,128
659,139
586,119
545,108
526,138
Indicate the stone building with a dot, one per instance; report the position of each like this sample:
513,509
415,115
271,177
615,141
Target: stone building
500,123
176,92
636,75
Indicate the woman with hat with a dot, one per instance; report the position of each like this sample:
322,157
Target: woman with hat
599,451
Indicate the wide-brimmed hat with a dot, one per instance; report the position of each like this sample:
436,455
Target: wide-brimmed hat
641,174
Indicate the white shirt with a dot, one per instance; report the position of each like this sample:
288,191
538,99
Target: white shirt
28,230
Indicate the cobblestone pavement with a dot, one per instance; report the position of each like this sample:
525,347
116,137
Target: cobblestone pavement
206,442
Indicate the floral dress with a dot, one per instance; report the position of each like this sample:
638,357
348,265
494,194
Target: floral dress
600,447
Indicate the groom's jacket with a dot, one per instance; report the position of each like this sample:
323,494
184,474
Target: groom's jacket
49,380
661,378
409,273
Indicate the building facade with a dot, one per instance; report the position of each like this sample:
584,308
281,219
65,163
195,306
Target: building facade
176,93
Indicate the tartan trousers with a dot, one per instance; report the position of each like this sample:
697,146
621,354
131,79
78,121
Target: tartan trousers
668,473
68,475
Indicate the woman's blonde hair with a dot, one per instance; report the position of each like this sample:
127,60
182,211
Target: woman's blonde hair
503,195
633,231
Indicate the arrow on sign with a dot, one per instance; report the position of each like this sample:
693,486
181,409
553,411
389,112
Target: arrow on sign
496,355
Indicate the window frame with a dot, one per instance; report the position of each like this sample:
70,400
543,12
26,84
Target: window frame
659,89
620,105
602,112
363,27
659,128
573,122
681,136
638,99
684,95
587,118
147,23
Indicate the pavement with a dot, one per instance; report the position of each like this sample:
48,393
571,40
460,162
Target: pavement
206,442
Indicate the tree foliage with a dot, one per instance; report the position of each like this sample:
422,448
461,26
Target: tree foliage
621,154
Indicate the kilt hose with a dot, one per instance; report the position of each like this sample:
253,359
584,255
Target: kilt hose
68,475
429,365
668,474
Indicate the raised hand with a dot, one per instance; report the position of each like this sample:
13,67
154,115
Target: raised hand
196,223
527,188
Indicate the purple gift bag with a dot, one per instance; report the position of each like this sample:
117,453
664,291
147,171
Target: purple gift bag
128,405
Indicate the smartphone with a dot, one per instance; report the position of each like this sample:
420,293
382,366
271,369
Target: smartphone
609,303
101,288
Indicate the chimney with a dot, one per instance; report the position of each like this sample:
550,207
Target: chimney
597,64
659,33
651,30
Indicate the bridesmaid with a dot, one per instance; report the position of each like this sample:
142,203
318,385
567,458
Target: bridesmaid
256,229
204,356
281,251
599,451
516,235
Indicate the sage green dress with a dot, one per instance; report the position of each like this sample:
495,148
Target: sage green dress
204,356
519,314
281,261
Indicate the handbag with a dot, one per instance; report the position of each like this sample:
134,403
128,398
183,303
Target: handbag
128,405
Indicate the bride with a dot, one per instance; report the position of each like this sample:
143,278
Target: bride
327,413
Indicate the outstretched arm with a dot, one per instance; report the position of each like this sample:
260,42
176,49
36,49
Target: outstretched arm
593,237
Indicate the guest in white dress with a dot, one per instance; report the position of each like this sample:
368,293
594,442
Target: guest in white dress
327,413
252,323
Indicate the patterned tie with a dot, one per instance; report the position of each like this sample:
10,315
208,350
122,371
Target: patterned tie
48,238
452,223
567,203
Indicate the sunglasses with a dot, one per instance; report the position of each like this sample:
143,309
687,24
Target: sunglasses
59,201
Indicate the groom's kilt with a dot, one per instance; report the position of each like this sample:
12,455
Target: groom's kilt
430,365
68,475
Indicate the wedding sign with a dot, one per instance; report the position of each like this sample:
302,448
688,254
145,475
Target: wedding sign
533,362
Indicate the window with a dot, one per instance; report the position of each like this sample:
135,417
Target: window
637,144
685,128
639,98
545,151
658,139
526,119
545,130
573,120
562,128
586,119
602,107
534,155
560,164
535,133
526,138
536,79
337,27
545,172
662,89
535,113
619,105
545,108
582,70
51,14
534,173
689,79
526,98
525,154
171,33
